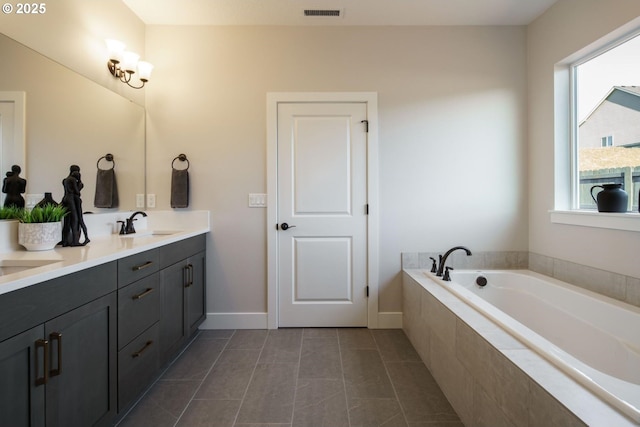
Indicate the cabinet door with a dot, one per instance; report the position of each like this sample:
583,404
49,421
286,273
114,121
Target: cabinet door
172,316
81,390
21,395
196,300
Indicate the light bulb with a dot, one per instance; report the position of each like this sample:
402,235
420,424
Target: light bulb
115,49
130,61
144,70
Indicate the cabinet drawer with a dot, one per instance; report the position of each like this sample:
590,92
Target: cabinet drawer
137,366
138,308
170,254
137,266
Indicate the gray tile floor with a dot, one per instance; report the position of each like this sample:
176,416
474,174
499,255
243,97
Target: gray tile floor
296,378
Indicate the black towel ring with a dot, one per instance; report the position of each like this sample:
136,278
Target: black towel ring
182,158
108,158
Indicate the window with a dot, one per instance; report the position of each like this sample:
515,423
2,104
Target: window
607,141
606,101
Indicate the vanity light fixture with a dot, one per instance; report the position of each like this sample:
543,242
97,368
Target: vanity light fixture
123,64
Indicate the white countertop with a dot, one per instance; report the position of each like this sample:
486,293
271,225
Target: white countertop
104,245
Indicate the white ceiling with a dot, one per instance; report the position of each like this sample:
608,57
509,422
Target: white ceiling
353,12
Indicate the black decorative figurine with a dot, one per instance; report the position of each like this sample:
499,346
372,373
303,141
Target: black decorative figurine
73,222
13,186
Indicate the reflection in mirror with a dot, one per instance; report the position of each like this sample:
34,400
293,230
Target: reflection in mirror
12,138
72,120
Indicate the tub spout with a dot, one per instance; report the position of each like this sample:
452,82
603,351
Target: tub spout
443,260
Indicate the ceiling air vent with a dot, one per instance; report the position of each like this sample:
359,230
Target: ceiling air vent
322,12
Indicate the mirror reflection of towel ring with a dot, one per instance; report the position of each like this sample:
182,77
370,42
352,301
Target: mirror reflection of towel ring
109,158
182,158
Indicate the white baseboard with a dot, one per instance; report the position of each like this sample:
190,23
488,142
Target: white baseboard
390,320
235,321
386,320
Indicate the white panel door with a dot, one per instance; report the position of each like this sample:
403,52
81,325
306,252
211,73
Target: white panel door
6,138
322,221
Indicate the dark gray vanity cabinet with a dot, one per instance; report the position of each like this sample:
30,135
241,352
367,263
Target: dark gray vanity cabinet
65,357
77,350
161,303
138,317
182,284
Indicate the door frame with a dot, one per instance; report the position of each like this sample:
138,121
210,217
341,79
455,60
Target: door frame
371,100
17,147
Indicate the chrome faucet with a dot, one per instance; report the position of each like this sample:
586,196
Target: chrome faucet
128,229
444,257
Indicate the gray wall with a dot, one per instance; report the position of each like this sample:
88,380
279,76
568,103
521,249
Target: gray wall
452,107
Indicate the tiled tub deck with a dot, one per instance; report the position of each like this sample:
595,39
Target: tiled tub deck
489,377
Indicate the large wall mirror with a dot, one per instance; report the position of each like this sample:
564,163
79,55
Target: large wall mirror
70,119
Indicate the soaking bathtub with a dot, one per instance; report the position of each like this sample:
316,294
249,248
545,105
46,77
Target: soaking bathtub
592,338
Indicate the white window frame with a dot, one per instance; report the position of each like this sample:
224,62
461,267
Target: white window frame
566,164
607,141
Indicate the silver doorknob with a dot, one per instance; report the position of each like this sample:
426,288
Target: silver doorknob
285,226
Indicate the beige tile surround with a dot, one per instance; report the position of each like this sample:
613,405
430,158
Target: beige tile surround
613,285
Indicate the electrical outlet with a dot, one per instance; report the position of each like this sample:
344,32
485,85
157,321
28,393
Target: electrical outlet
151,200
139,200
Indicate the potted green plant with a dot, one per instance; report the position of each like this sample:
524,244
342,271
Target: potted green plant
9,212
40,228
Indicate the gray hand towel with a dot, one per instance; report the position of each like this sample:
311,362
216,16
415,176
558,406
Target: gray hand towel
179,188
106,189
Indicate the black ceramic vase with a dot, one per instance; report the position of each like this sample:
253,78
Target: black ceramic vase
47,200
612,198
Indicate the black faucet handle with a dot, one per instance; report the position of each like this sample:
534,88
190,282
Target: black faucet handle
434,265
122,230
447,277
129,228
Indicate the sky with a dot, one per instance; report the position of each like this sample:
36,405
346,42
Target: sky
619,66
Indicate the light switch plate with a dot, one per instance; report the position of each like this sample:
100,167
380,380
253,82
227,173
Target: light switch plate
139,200
151,200
257,200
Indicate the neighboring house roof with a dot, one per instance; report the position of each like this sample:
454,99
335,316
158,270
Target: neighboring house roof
627,96
608,158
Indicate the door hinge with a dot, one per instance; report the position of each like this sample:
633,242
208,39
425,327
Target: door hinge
367,290
366,209
366,125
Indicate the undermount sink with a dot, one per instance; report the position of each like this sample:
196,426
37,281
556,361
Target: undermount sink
147,233
10,266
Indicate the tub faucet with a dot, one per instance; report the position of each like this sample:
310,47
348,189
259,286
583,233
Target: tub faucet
443,260
128,229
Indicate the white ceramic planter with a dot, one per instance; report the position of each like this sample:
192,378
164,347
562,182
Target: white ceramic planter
40,236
